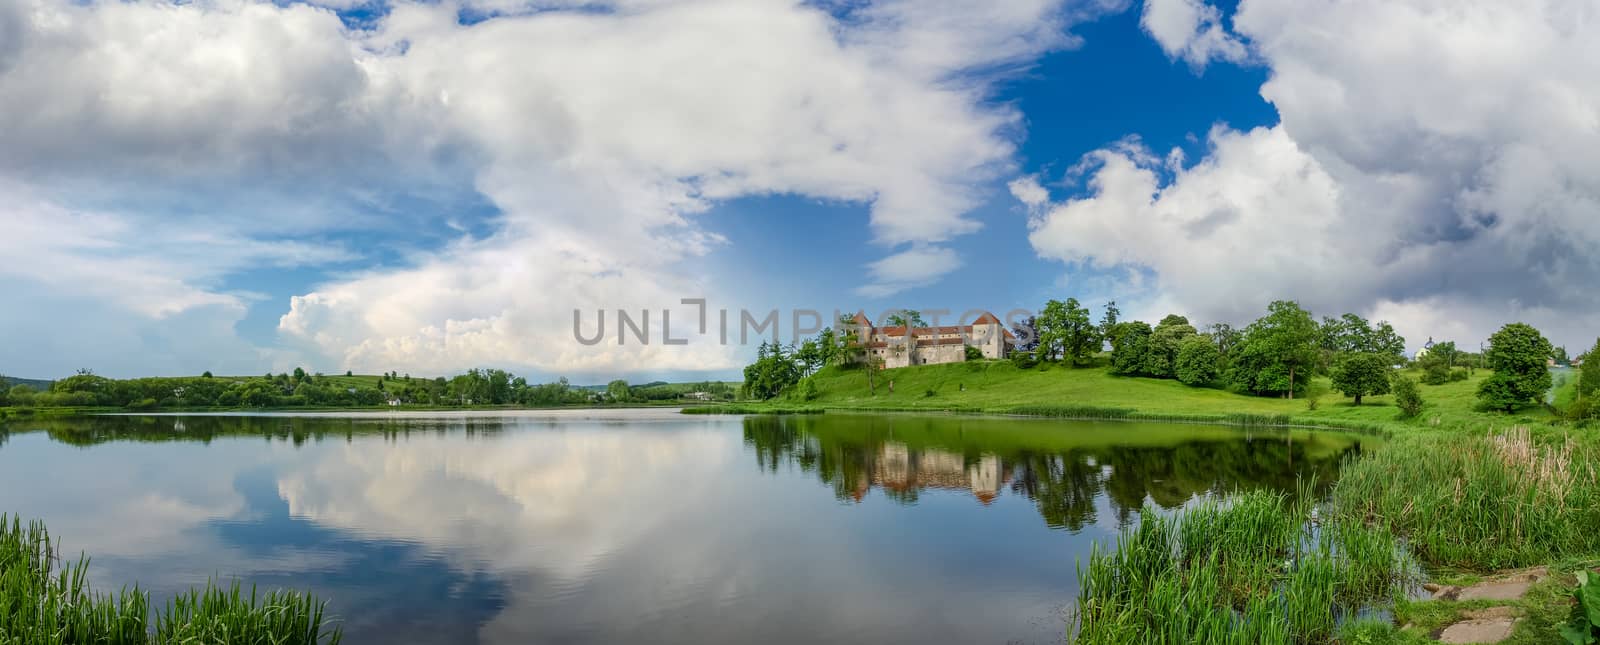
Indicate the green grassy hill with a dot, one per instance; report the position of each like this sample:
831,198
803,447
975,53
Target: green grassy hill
999,386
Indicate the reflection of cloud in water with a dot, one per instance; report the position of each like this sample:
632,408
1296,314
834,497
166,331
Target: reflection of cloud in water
559,501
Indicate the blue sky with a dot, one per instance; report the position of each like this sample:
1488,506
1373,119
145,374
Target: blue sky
436,186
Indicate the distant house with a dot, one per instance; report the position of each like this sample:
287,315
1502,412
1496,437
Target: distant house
698,396
902,346
394,402
1426,348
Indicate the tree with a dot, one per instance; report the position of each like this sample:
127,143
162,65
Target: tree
349,373
1362,374
206,375
1133,343
810,355
1560,356
1066,332
618,390
1276,351
1589,371
774,371
1447,352
1225,337
1407,396
907,318
1161,356
1108,322
1027,334
1518,354
1199,361
1384,340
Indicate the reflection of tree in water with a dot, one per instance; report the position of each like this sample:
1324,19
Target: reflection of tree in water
91,430
1064,484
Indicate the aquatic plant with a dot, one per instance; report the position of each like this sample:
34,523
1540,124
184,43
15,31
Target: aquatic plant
46,600
1479,502
1239,570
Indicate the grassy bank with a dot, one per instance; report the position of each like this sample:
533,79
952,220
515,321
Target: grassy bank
1456,491
998,387
45,599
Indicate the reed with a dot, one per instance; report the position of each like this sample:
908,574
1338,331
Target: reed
1479,502
46,600
1248,569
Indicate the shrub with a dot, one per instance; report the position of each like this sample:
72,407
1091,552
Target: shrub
805,390
974,354
1407,396
143,404
1458,374
1585,409
1435,372
1024,359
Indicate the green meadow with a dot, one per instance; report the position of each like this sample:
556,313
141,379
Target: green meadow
1454,493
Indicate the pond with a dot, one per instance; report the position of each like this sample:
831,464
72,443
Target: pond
631,526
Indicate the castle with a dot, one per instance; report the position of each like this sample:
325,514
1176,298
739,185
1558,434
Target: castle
902,346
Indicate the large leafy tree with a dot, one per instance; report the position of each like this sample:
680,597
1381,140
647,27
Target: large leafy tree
1277,351
1066,331
1362,374
1199,361
1161,359
1386,341
774,371
1128,352
1518,354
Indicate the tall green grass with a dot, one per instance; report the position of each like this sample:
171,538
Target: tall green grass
46,600
1250,569
1479,502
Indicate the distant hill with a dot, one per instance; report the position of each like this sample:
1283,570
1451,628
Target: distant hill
12,381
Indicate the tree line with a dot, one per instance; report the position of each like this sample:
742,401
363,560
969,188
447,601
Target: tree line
1279,354
475,387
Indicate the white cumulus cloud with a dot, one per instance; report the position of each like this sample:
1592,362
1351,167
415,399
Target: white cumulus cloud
1191,30
596,136
1438,164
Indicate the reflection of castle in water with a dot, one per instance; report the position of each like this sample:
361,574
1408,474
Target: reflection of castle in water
1070,485
901,470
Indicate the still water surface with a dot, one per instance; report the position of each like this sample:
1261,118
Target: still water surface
631,526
